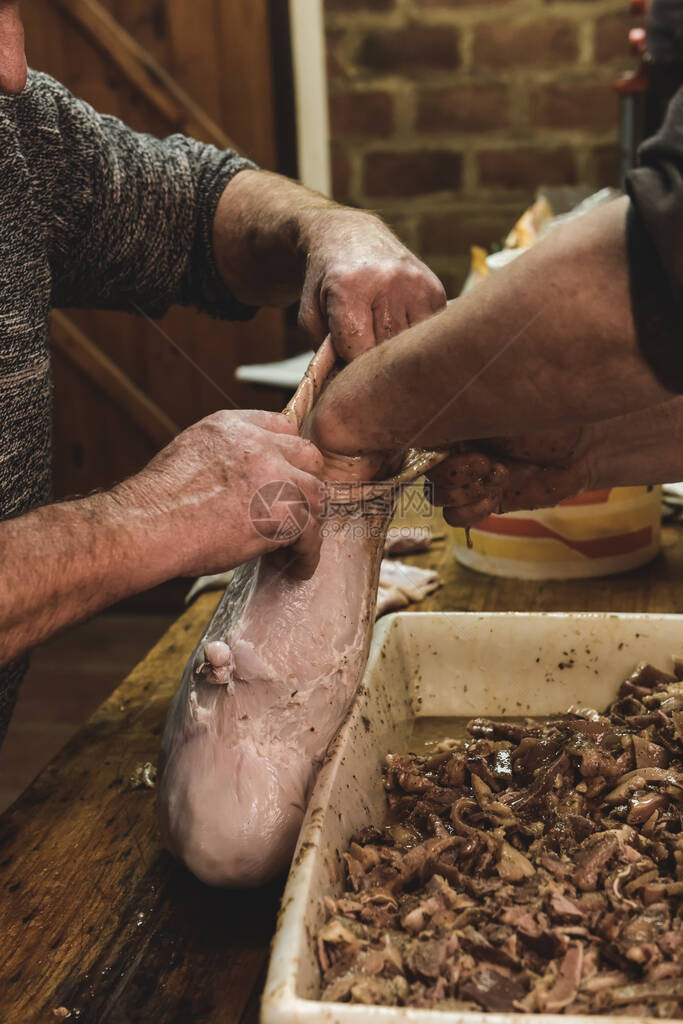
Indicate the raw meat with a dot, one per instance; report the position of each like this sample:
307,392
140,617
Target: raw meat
406,540
401,584
270,682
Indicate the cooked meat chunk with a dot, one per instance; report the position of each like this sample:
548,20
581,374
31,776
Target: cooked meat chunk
536,867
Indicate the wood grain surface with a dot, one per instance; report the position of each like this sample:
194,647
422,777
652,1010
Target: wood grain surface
97,919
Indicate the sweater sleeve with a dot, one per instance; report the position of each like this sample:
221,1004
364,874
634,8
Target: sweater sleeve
131,216
654,237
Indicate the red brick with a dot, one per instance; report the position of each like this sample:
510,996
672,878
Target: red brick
543,43
465,108
409,51
446,233
584,106
359,5
606,166
411,173
341,173
361,115
527,168
611,37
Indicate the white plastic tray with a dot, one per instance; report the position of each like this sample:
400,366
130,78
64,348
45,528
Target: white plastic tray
437,663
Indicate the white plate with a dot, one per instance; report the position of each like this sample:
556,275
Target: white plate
438,663
286,373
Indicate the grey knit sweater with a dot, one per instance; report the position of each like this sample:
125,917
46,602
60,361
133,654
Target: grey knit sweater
91,214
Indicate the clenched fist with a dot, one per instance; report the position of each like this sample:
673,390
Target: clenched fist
362,285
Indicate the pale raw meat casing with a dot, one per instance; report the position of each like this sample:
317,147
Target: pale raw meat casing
265,691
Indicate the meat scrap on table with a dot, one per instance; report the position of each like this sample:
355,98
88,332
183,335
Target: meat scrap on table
533,867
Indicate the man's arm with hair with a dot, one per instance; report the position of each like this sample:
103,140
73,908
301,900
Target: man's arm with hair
63,563
186,513
276,240
540,470
549,342
140,222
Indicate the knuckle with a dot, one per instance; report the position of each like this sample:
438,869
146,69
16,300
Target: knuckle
418,273
223,417
206,425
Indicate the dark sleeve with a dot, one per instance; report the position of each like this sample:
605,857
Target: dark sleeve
131,215
654,237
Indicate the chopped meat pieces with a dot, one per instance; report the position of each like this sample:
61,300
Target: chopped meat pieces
534,867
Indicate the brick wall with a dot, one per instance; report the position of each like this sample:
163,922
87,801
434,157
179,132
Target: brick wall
447,114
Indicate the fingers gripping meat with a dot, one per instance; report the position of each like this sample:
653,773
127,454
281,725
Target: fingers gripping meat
267,688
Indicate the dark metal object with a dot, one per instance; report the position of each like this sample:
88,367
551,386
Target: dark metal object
645,93
633,102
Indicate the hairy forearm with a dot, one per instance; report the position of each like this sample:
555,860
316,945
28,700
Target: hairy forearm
547,343
186,513
644,447
64,562
264,228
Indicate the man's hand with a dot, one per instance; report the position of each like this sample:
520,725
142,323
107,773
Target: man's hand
548,343
222,491
277,243
539,470
362,285
191,510
507,474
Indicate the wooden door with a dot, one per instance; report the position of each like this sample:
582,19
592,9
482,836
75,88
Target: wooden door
123,385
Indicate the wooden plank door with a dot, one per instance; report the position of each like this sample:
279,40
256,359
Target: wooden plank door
116,54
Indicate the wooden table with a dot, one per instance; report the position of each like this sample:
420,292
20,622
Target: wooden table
96,918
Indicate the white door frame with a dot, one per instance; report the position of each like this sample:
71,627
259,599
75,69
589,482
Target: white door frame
307,29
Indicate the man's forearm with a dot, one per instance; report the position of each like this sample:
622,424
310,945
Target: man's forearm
186,513
264,228
644,447
549,342
276,242
64,562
